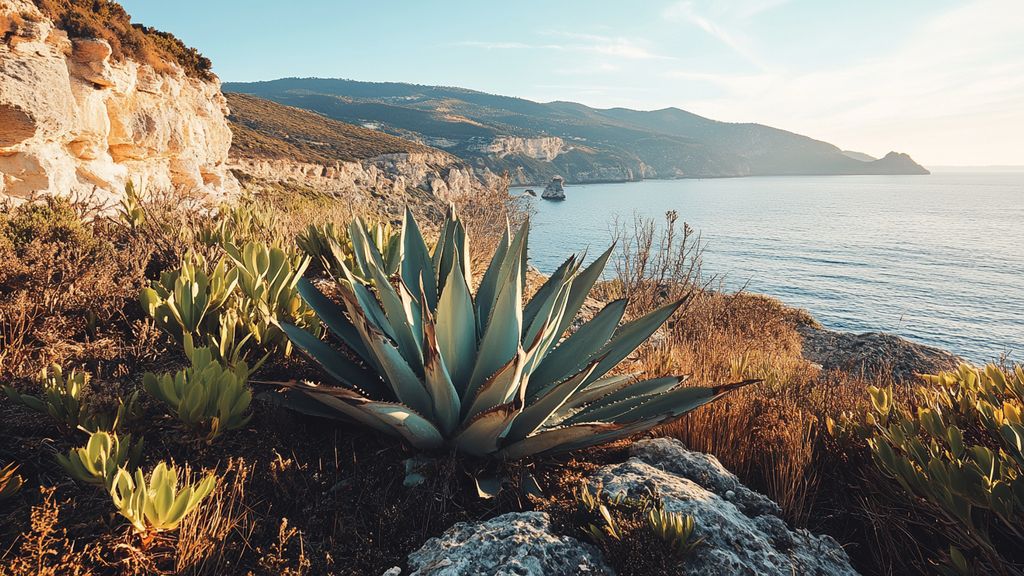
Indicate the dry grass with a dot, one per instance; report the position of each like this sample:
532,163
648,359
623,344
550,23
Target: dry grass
265,129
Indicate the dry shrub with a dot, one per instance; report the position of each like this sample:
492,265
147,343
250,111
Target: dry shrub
203,537
66,284
107,20
45,549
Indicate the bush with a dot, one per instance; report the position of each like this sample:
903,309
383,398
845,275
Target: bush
107,20
958,449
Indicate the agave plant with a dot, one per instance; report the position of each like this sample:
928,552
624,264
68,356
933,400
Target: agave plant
97,462
159,504
331,247
190,299
207,396
432,363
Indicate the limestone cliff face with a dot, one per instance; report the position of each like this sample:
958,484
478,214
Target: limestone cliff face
74,122
438,173
544,148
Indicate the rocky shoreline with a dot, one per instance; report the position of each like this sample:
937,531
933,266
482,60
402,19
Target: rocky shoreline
873,353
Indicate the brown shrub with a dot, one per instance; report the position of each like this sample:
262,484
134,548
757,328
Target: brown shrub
107,20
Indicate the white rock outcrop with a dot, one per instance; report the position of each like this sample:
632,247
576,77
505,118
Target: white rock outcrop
437,173
545,148
740,531
74,122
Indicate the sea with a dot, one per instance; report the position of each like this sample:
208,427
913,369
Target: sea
937,259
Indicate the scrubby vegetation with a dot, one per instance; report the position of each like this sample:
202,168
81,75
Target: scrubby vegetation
107,20
176,394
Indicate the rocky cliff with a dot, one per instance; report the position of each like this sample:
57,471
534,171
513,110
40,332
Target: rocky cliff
76,121
281,144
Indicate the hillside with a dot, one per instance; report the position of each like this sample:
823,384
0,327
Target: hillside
264,129
534,141
302,150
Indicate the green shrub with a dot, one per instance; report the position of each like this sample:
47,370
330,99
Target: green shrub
484,375
958,450
51,221
206,397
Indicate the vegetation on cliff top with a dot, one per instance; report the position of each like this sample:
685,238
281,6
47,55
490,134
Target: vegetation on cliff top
109,21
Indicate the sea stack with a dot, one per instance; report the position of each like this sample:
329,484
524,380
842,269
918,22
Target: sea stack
554,190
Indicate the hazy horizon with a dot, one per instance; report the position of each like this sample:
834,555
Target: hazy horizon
940,80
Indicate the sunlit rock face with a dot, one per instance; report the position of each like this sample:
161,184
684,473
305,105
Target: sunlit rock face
74,122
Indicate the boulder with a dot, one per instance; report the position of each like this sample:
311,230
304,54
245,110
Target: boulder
873,353
518,543
740,530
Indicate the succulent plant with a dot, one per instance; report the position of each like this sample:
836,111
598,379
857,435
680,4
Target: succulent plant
207,396
432,363
959,449
191,298
234,305
10,482
673,528
159,504
266,282
65,399
97,462
331,246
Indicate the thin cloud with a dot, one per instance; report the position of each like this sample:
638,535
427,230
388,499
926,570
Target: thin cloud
687,12
959,76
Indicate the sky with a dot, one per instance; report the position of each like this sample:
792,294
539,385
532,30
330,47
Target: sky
942,80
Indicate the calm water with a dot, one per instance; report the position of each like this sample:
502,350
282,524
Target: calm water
938,259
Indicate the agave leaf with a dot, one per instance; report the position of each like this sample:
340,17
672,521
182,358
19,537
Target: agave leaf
417,430
545,336
500,341
596,390
574,352
489,283
404,382
553,441
404,320
550,287
341,369
456,329
581,286
417,267
536,413
481,434
447,407
622,401
549,439
680,401
333,316
629,336
500,388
